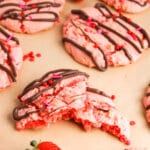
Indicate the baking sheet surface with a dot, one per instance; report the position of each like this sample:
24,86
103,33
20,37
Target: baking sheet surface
127,83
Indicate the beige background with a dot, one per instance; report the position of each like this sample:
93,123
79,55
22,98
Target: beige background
127,83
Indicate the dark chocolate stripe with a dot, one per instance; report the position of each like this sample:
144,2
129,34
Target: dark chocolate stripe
9,59
64,75
18,117
148,94
42,19
137,26
100,6
85,17
97,91
8,72
85,51
8,35
33,83
91,56
16,13
148,107
12,74
110,40
102,109
142,5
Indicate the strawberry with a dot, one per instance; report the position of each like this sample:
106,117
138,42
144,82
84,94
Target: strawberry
48,146
44,145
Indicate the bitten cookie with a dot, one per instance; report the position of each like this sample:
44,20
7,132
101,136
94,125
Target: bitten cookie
10,58
29,16
65,94
96,37
146,102
51,98
130,6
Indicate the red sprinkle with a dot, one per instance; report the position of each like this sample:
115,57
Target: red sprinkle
38,55
26,0
132,34
33,6
95,45
118,47
45,84
50,82
114,16
31,56
113,97
132,123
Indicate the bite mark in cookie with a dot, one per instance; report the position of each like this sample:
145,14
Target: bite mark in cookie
100,112
31,16
91,38
10,58
64,94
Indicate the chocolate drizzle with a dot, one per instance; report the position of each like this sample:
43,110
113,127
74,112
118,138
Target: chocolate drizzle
63,73
138,3
60,74
15,12
12,71
120,20
7,36
18,117
97,91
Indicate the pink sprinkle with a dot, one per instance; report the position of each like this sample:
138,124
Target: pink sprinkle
56,76
9,38
139,28
22,6
99,31
30,17
129,37
86,30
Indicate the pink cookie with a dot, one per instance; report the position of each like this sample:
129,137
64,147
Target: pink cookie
63,95
29,16
146,102
130,6
95,37
100,112
10,58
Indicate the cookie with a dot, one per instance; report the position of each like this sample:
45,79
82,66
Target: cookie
64,94
10,58
51,98
146,102
95,37
130,6
101,112
29,16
